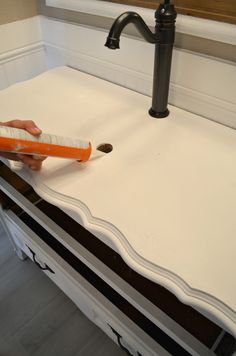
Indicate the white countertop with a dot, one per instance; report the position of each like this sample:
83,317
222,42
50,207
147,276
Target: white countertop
164,198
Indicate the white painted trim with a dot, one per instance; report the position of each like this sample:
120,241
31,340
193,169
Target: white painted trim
212,30
19,52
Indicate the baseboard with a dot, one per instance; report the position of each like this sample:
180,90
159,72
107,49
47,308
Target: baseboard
19,52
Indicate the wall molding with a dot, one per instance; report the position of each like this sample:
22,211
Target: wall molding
19,52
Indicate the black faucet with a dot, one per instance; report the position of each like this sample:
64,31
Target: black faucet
163,37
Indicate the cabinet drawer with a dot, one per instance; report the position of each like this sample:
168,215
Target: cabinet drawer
46,260
17,234
92,303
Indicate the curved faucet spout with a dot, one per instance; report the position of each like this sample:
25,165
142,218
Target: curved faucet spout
123,20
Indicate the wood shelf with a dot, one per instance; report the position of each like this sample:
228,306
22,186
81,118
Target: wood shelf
220,10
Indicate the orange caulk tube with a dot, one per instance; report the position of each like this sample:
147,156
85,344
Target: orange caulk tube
20,141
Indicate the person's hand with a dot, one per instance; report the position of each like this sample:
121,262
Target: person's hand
33,162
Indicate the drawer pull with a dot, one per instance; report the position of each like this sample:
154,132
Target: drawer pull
119,337
45,268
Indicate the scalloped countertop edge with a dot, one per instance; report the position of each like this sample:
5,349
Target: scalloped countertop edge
188,157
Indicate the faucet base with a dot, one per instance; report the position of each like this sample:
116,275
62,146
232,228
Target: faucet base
158,115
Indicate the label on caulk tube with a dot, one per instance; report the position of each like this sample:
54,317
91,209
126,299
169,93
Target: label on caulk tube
20,141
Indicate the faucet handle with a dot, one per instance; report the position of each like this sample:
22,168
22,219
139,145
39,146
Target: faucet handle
166,12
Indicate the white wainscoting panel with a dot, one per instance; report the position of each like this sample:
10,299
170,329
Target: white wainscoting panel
3,78
23,67
200,84
22,52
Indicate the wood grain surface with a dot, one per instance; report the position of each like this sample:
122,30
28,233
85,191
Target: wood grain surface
220,10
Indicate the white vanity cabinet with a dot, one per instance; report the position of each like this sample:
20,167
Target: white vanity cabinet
127,316
89,300
134,237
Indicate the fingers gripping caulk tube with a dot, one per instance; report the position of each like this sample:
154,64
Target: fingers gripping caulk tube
20,141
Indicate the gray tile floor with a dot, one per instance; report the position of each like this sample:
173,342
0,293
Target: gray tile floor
37,319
